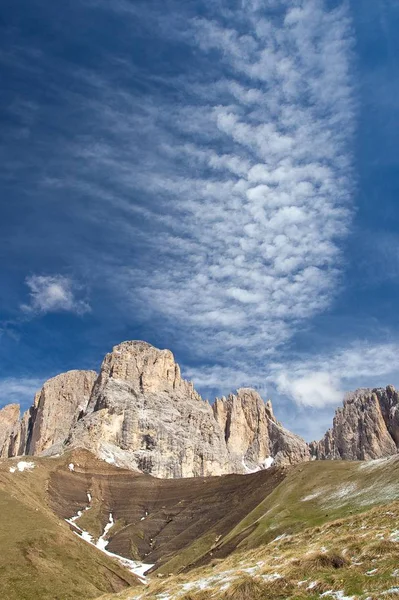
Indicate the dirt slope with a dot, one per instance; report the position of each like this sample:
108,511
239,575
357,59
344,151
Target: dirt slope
40,557
156,519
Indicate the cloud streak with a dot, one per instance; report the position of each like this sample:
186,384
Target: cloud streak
15,390
253,178
231,179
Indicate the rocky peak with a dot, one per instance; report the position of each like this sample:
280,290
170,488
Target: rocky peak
366,427
254,437
144,368
9,418
141,414
56,409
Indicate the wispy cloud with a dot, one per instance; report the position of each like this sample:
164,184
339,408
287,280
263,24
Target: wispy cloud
323,380
245,175
224,183
15,390
53,293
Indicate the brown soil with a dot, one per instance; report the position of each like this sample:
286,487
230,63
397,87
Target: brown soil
156,519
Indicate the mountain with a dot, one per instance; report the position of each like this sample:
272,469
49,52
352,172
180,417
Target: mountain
141,414
365,428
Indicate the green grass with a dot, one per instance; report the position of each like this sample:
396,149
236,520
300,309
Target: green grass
284,511
40,557
355,556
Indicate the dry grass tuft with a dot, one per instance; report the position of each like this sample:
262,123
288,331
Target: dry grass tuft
247,588
321,560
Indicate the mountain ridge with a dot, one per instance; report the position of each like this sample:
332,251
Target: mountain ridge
139,413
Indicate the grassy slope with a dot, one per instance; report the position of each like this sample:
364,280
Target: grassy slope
40,557
332,489
354,558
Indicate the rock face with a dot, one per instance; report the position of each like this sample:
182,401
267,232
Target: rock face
254,437
9,418
139,413
47,424
56,409
143,415
365,428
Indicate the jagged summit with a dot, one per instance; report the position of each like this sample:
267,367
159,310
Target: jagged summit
139,412
366,427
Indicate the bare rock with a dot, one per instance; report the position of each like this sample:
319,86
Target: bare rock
365,428
143,415
55,410
9,419
254,437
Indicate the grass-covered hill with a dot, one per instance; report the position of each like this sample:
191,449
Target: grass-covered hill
316,530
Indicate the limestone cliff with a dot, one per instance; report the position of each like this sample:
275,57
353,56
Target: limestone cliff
143,415
254,437
56,409
366,427
9,418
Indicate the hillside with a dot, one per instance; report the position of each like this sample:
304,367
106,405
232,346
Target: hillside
186,526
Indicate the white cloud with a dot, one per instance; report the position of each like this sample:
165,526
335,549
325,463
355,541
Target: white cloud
253,184
15,390
235,189
315,389
323,380
53,293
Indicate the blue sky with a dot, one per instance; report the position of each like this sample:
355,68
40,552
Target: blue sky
217,178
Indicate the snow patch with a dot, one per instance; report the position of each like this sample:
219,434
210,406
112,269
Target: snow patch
23,466
340,595
266,464
395,536
102,543
71,467
272,577
280,537
135,567
312,496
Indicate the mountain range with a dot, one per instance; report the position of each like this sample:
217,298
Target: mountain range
139,413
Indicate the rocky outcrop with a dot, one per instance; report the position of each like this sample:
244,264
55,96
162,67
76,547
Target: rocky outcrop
365,428
20,434
143,415
254,437
9,419
56,409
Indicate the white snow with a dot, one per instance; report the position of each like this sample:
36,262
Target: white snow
71,467
344,491
272,577
135,567
337,595
279,537
266,464
312,496
312,585
102,543
395,535
23,466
